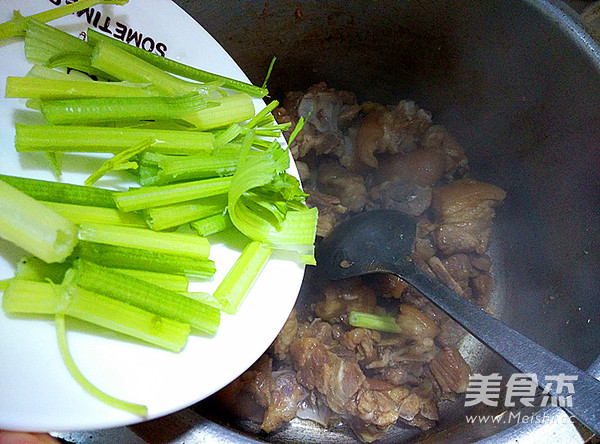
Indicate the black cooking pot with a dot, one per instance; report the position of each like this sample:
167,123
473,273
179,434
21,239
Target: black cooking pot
518,84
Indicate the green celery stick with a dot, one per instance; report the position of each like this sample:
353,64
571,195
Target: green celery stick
62,192
212,224
123,109
157,169
34,227
173,282
61,334
49,89
31,268
156,196
374,322
170,216
149,297
119,161
239,279
17,25
231,109
79,214
181,69
108,140
140,259
111,59
205,298
175,243
29,297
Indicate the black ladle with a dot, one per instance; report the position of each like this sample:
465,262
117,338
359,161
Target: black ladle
380,241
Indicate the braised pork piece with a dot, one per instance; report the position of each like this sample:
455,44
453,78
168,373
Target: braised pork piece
356,157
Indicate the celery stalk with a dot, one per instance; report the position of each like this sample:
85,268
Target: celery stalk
119,161
29,297
79,214
230,109
173,282
17,25
212,224
31,268
61,333
62,192
175,243
156,196
239,279
157,169
181,69
149,297
374,322
205,298
140,259
123,65
124,109
34,227
108,140
48,89
170,216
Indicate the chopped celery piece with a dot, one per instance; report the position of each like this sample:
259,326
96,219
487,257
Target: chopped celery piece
49,89
43,72
93,111
61,333
170,216
17,25
79,214
139,259
159,169
239,279
4,283
31,268
374,322
136,409
111,59
205,298
30,297
212,224
62,192
155,196
173,282
108,140
44,42
284,221
119,161
181,69
34,227
230,109
162,302
175,243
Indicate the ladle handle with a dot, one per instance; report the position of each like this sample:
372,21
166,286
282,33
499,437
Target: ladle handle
523,353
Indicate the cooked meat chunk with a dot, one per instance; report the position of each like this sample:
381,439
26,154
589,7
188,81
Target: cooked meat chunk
261,393
286,336
343,297
396,130
363,342
423,167
450,370
338,181
464,211
388,285
439,139
416,324
404,196
330,111
318,368
330,210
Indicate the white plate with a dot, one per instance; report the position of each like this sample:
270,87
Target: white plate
36,390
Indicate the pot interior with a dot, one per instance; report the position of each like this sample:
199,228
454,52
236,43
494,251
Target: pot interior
519,89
